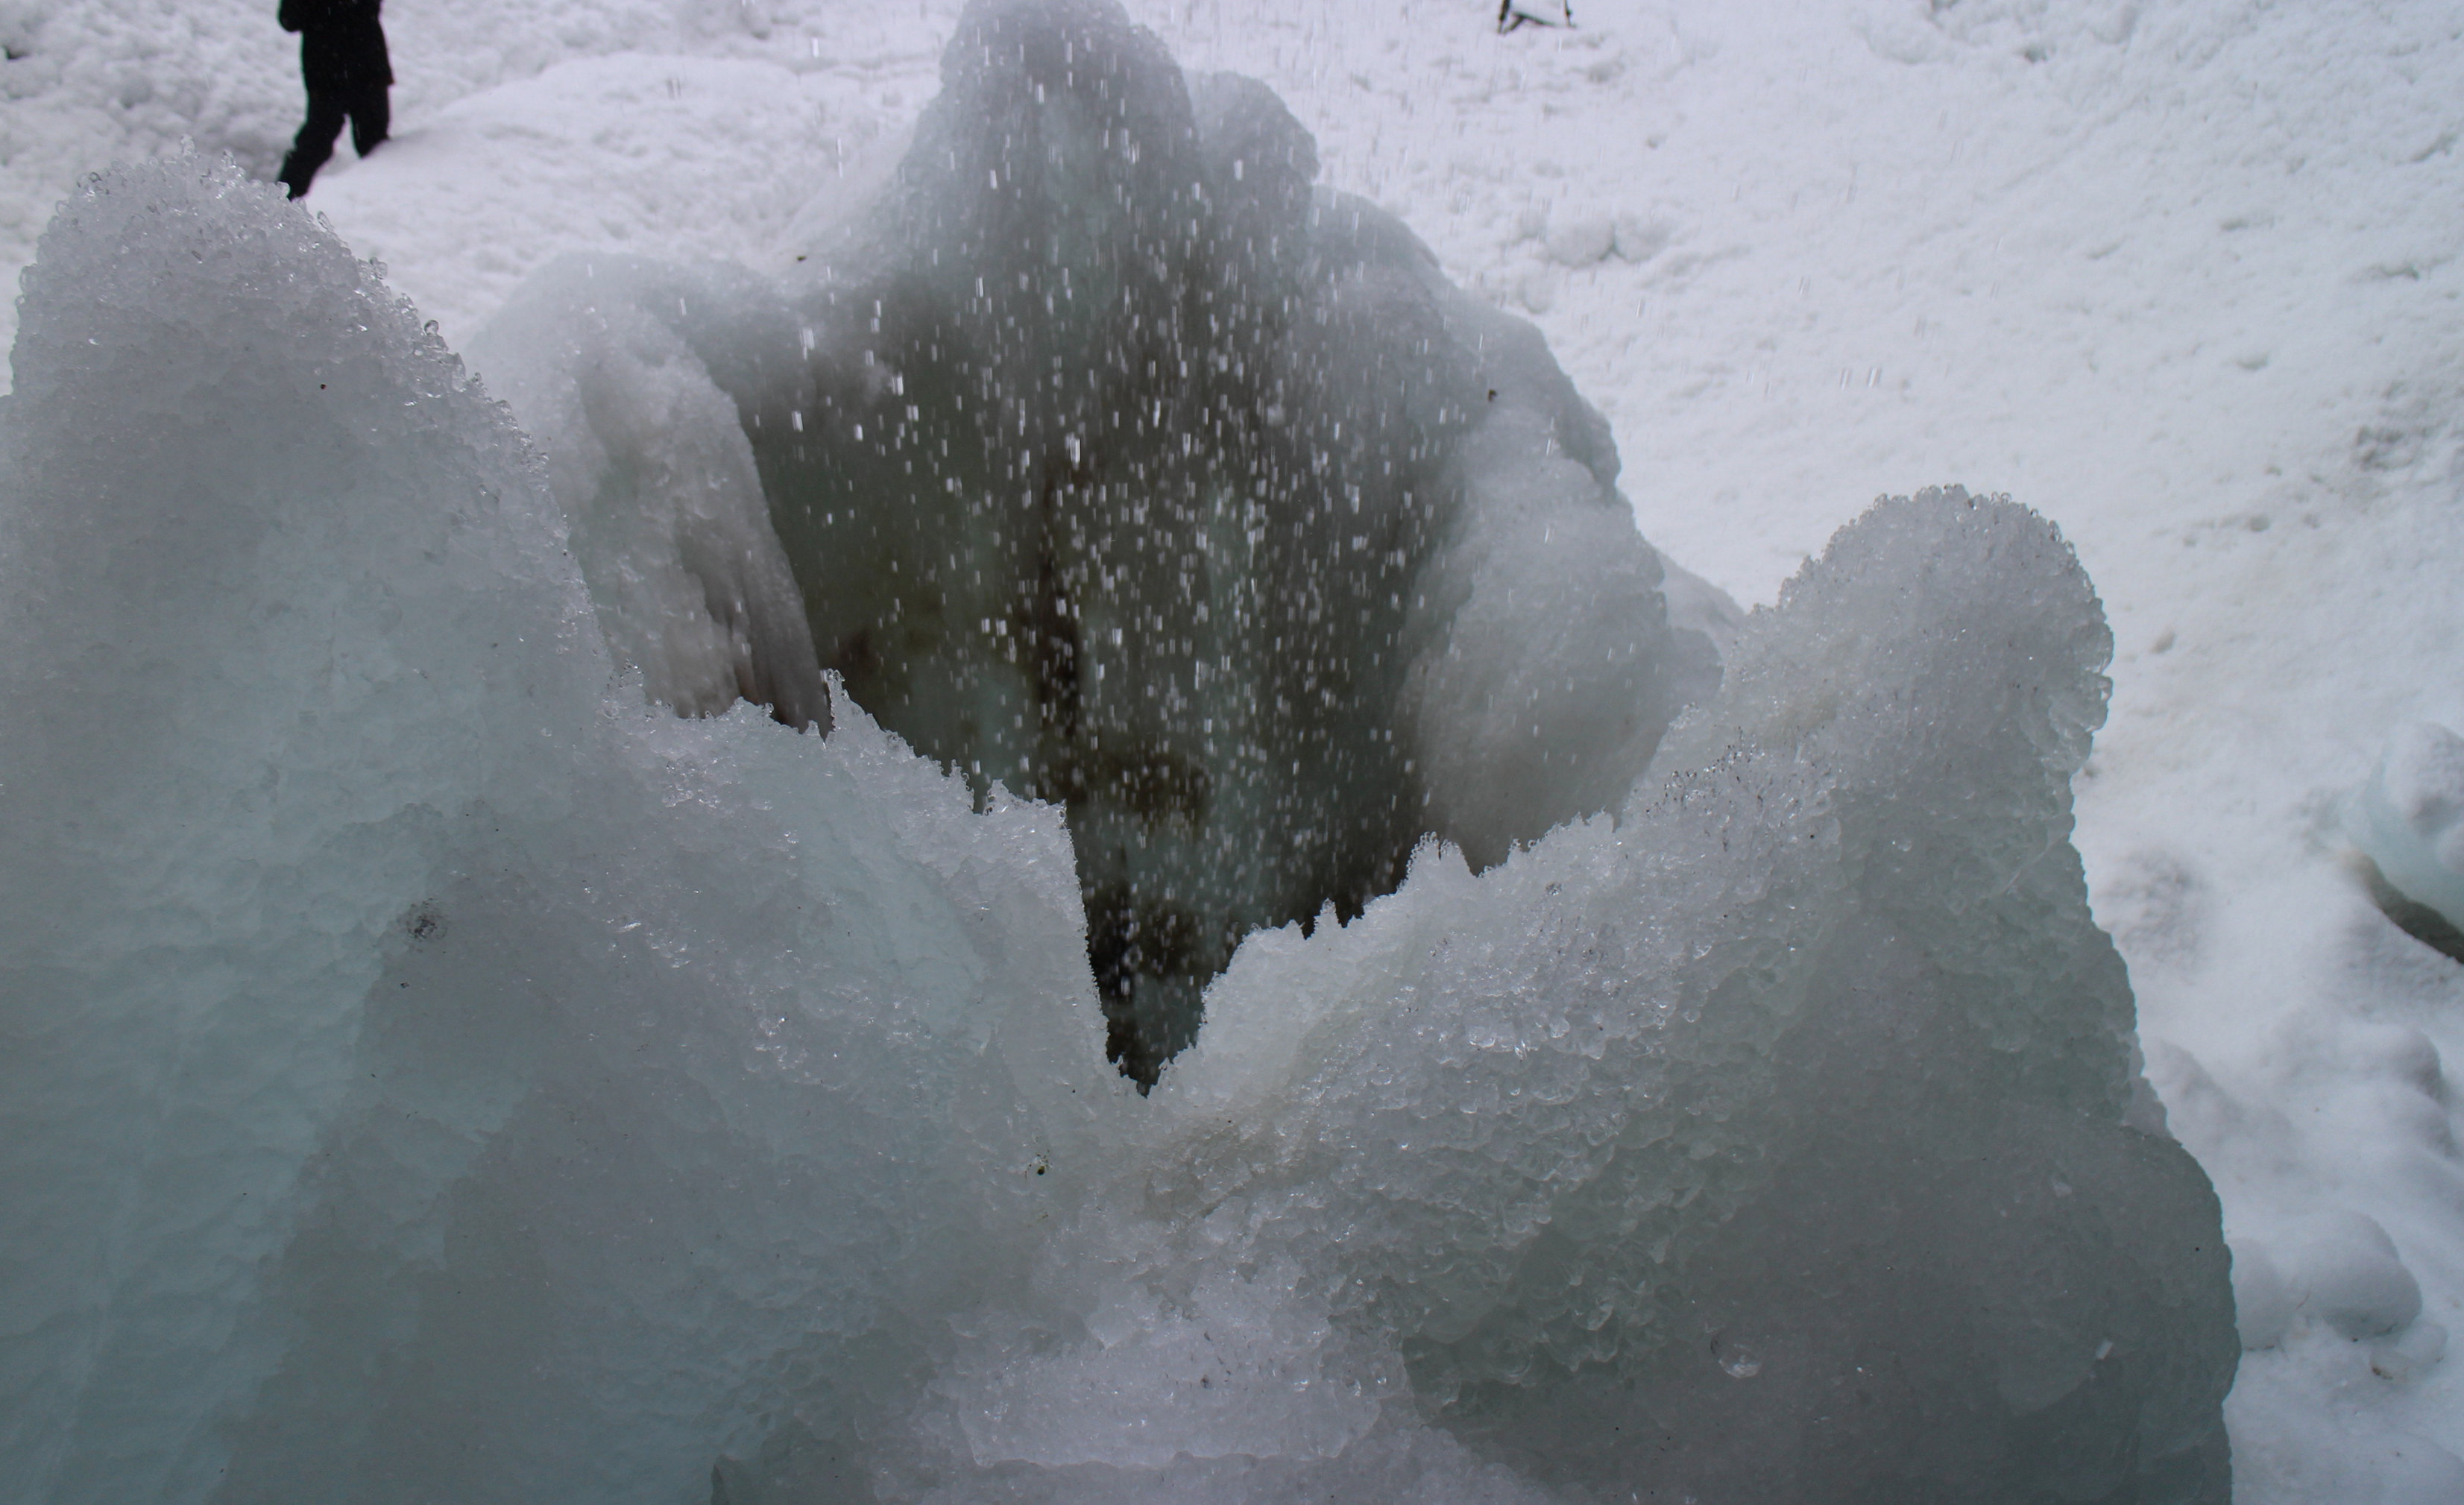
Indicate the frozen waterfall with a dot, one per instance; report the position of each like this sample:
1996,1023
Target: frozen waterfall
1121,468
434,1073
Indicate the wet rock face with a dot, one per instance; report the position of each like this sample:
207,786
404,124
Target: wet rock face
1120,467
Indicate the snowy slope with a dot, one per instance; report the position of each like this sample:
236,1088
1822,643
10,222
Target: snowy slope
2178,274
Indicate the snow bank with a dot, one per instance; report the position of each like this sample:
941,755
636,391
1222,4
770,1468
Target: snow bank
431,1074
503,115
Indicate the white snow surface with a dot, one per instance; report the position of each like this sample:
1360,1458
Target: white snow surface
2179,275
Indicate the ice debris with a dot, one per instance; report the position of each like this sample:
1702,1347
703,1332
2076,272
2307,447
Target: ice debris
430,1075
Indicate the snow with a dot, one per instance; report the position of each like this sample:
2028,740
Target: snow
2408,819
2179,275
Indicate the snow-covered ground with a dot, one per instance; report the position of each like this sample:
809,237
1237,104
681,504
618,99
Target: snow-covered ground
2180,275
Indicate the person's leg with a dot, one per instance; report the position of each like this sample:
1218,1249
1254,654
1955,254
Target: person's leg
371,114
314,145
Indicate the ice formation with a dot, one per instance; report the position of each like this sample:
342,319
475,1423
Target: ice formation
1121,468
430,1074
662,504
2407,823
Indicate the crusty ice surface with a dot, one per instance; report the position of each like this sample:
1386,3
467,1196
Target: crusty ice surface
2173,275
421,1036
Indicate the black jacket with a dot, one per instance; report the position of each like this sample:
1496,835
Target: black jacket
341,45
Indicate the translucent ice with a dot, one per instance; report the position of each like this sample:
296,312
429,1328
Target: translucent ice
428,1074
1121,467
665,507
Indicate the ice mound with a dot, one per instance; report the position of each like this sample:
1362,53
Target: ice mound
2409,822
1743,1148
429,1074
1122,467
426,1077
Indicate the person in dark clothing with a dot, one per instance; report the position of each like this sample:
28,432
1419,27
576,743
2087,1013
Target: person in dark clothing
342,60
1511,16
